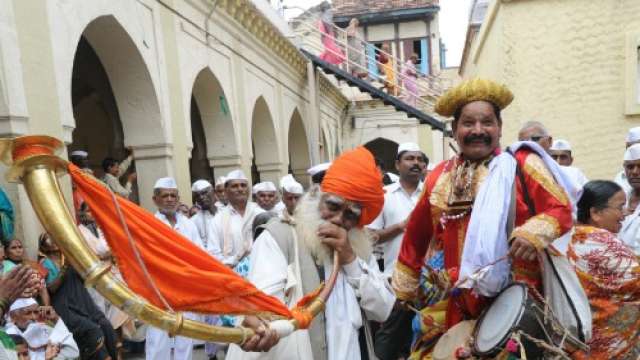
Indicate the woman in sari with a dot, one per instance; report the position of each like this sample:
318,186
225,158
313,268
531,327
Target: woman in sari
14,256
90,328
387,68
608,271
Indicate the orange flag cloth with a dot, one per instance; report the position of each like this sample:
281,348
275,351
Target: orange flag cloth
355,177
187,277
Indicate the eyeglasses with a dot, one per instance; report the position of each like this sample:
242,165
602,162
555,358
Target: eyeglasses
537,138
350,211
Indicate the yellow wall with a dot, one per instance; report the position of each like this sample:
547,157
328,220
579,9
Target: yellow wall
567,64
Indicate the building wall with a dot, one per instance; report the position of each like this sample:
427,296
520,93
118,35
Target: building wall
572,65
157,56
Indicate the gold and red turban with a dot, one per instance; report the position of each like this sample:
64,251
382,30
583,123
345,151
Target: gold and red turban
355,177
473,90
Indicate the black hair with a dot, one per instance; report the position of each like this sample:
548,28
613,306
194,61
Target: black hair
595,194
17,339
386,179
108,162
318,177
458,113
379,162
260,222
77,160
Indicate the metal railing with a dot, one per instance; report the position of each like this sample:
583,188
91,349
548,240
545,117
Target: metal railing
429,87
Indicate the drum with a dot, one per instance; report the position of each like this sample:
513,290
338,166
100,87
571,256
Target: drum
515,310
458,336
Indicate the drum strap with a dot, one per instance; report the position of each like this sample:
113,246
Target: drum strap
532,212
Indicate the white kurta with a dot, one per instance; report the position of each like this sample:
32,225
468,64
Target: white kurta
360,287
630,231
59,335
621,179
279,207
232,233
275,277
398,205
204,223
158,343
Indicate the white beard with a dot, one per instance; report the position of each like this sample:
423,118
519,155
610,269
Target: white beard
307,219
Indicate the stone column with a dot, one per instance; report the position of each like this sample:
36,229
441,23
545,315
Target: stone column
302,177
152,163
271,172
222,165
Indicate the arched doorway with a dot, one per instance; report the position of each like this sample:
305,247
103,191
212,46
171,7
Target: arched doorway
266,166
98,127
385,150
115,104
212,130
299,158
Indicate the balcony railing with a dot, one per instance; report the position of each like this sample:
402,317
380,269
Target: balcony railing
427,86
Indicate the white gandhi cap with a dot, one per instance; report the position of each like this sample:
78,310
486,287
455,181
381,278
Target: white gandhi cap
80,153
561,145
166,183
632,153
235,175
408,146
266,186
22,303
634,134
290,185
317,168
200,185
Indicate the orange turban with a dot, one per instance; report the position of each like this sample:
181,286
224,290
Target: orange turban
355,177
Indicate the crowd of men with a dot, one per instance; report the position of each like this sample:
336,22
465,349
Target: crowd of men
419,256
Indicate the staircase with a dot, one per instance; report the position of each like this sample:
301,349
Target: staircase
429,87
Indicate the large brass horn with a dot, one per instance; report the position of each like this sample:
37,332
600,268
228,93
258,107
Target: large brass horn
33,162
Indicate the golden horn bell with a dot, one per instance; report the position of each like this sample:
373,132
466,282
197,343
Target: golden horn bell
33,162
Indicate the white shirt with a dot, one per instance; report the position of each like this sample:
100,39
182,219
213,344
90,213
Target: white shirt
57,335
621,179
158,342
360,287
398,205
219,205
232,233
203,220
184,226
277,208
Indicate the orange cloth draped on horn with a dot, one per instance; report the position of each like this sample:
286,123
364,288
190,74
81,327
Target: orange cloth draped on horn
355,177
187,277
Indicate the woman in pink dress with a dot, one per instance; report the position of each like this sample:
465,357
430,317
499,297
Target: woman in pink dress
410,81
332,53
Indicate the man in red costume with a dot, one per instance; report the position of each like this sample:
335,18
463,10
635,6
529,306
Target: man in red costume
484,214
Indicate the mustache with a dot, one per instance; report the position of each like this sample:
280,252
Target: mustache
415,167
474,137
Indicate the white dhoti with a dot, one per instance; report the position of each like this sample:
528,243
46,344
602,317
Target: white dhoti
159,344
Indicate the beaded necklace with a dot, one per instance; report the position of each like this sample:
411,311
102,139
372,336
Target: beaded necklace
462,192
